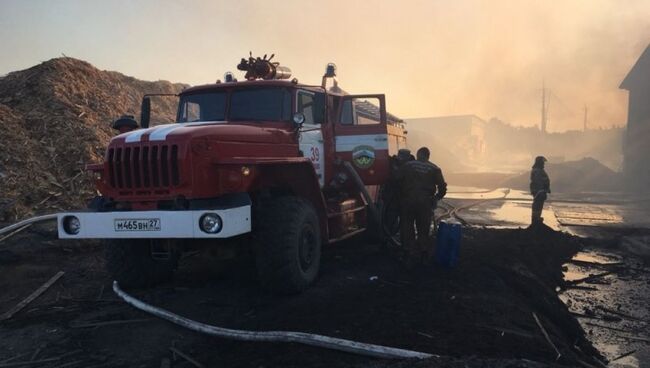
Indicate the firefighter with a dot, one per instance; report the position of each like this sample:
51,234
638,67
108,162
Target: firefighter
421,185
404,155
390,192
540,186
397,161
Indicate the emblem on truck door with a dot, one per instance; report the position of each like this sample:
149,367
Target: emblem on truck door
363,157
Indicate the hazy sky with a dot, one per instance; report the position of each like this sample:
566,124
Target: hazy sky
430,57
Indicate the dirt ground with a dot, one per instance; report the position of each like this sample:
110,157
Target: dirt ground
478,314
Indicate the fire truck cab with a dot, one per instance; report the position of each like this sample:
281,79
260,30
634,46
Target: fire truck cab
266,164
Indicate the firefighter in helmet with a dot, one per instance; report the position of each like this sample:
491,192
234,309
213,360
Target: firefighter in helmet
540,186
421,185
397,161
404,155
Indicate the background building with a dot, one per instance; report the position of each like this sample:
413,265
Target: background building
636,147
463,135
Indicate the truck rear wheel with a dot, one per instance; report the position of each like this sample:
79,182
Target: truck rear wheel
288,245
140,263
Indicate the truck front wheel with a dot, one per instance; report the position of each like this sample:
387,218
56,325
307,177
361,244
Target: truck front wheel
288,245
140,263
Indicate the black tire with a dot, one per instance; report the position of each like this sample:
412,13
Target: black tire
288,245
129,261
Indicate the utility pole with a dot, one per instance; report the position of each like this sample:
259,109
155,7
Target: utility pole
544,112
585,121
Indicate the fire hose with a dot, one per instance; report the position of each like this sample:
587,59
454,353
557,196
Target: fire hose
27,222
326,342
349,346
372,207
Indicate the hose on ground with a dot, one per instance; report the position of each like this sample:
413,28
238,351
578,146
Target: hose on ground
26,222
321,341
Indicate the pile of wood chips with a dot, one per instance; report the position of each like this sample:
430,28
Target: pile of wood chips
54,119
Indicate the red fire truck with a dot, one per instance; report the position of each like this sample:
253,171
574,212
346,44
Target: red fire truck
267,164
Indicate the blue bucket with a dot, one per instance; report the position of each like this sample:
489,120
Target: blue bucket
448,243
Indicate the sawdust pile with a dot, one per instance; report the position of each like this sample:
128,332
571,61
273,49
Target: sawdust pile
54,119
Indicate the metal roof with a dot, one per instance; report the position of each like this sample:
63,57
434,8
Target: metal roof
371,111
253,83
363,107
640,72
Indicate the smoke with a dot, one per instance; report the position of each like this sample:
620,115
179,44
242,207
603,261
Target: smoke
488,58
431,58
492,58
580,51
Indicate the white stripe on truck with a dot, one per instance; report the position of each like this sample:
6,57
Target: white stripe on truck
347,143
136,135
160,132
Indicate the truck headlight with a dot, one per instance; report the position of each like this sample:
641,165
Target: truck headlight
71,225
210,223
245,170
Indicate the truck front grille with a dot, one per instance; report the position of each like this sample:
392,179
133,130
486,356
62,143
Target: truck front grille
144,167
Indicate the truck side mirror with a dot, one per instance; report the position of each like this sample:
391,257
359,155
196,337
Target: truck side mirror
145,112
298,120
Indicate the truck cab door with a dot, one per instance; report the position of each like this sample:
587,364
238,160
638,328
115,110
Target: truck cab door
361,136
313,106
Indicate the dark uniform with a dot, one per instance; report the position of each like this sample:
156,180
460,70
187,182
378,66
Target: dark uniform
390,192
540,186
421,185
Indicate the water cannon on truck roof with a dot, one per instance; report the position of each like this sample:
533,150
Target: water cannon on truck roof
266,165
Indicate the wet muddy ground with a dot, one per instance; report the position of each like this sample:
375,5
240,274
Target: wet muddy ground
621,254
479,314
582,214
610,300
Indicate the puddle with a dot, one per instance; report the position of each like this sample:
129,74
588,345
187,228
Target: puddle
595,258
590,216
509,208
612,311
573,212
513,212
516,213
456,189
519,194
574,273
616,351
477,194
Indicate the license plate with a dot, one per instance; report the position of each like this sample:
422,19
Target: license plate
150,224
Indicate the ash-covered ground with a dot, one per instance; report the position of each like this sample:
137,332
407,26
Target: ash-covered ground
478,314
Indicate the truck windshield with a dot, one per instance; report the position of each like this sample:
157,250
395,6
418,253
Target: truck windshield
269,104
260,104
203,107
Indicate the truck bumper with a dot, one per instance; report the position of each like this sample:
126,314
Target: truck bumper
152,224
